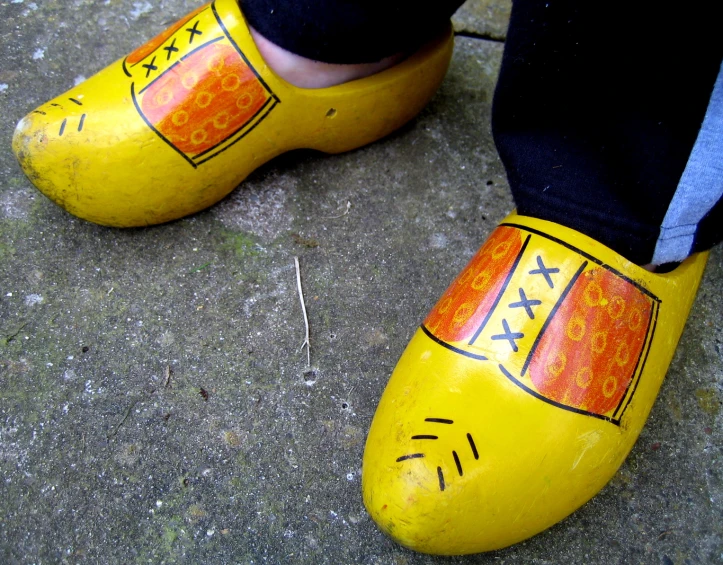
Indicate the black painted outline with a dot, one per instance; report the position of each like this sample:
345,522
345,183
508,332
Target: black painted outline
586,255
537,395
74,101
646,348
125,68
439,420
230,139
434,338
645,351
150,125
440,476
410,456
161,45
228,35
226,140
458,463
202,46
243,130
551,315
62,127
82,121
176,63
473,446
502,291
425,436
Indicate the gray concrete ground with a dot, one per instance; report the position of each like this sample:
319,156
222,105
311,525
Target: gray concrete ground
244,456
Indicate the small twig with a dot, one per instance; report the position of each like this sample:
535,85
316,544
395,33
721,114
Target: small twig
348,207
168,376
199,269
125,417
303,309
12,336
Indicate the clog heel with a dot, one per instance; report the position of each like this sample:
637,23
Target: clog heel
523,391
176,125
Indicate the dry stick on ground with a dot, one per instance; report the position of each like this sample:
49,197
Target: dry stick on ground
303,309
348,207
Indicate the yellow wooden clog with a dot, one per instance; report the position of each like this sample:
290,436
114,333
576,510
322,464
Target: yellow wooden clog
523,391
176,125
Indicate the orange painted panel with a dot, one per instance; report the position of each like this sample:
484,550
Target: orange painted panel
587,356
204,99
467,301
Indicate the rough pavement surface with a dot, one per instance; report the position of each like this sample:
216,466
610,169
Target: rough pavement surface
155,406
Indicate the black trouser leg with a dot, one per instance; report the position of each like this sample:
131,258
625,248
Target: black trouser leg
349,31
597,109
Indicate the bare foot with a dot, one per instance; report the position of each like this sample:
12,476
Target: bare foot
307,73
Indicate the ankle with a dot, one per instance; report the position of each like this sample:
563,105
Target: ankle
307,73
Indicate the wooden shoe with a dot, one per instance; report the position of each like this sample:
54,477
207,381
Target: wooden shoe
177,124
523,391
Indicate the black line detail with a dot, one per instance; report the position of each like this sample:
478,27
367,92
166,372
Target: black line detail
247,122
125,69
439,420
646,348
146,87
231,39
194,31
150,125
473,446
39,112
440,475
458,463
509,336
411,456
526,303
554,310
269,104
176,63
544,271
501,292
433,337
586,255
537,395
240,137
150,67
171,49
74,101
424,437
62,127
190,53
82,121
175,32
56,105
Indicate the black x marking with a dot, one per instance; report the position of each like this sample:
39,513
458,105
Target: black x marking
193,31
150,66
509,336
526,303
171,48
544,271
